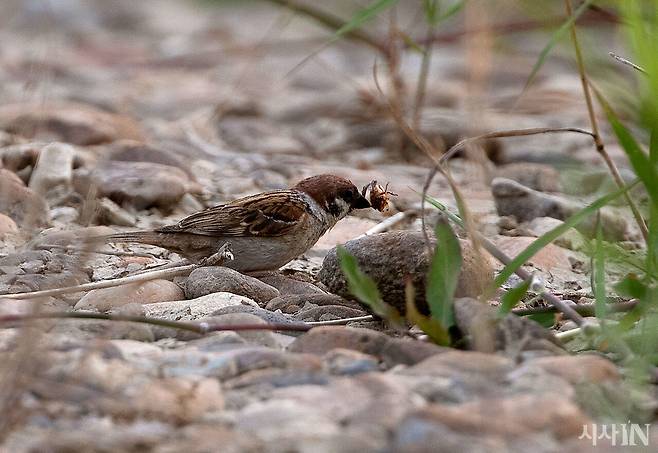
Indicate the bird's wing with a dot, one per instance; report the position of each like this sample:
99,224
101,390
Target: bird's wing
265,215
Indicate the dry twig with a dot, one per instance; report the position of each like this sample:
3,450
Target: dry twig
600,147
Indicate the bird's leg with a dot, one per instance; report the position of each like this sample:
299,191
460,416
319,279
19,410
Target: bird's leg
220,257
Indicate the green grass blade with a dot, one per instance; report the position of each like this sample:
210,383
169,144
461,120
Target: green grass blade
545,319
444,274
555,38
641,26
431,10
598,277
635,288
631,287
443,208
450,11
640,161
432,327
363,16
512,297
364,288
556,232
651,263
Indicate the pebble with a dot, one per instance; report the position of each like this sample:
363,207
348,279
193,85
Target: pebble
541,177
328,313
178,400
391,351
208,280
7,226
293,303
259,337
21,156
53,168
234,361
578,369
148,292
24,206
485,331
549,258
140,184
110,213
349,362
509,418
194,309
265,315
512,198
291,286
571,240
31,270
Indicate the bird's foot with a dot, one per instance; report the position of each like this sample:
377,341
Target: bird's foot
220,257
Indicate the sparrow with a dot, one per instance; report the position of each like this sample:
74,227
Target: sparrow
264,231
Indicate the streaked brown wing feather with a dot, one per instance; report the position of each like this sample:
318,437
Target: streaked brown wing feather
273,215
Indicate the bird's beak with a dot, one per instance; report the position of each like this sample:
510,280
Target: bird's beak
361,203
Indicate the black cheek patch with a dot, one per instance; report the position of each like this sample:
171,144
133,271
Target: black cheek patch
333,209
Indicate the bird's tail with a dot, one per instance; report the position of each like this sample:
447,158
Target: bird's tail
192,246
141,237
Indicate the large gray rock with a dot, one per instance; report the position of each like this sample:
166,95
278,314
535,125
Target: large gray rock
389,258
208,280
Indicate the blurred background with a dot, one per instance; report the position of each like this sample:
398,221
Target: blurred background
131,114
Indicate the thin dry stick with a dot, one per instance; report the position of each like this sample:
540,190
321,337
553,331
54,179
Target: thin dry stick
338,322
600,148
151,275
387,223
197,327
510,133
583,309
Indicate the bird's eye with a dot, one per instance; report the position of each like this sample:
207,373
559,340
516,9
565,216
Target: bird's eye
348,194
